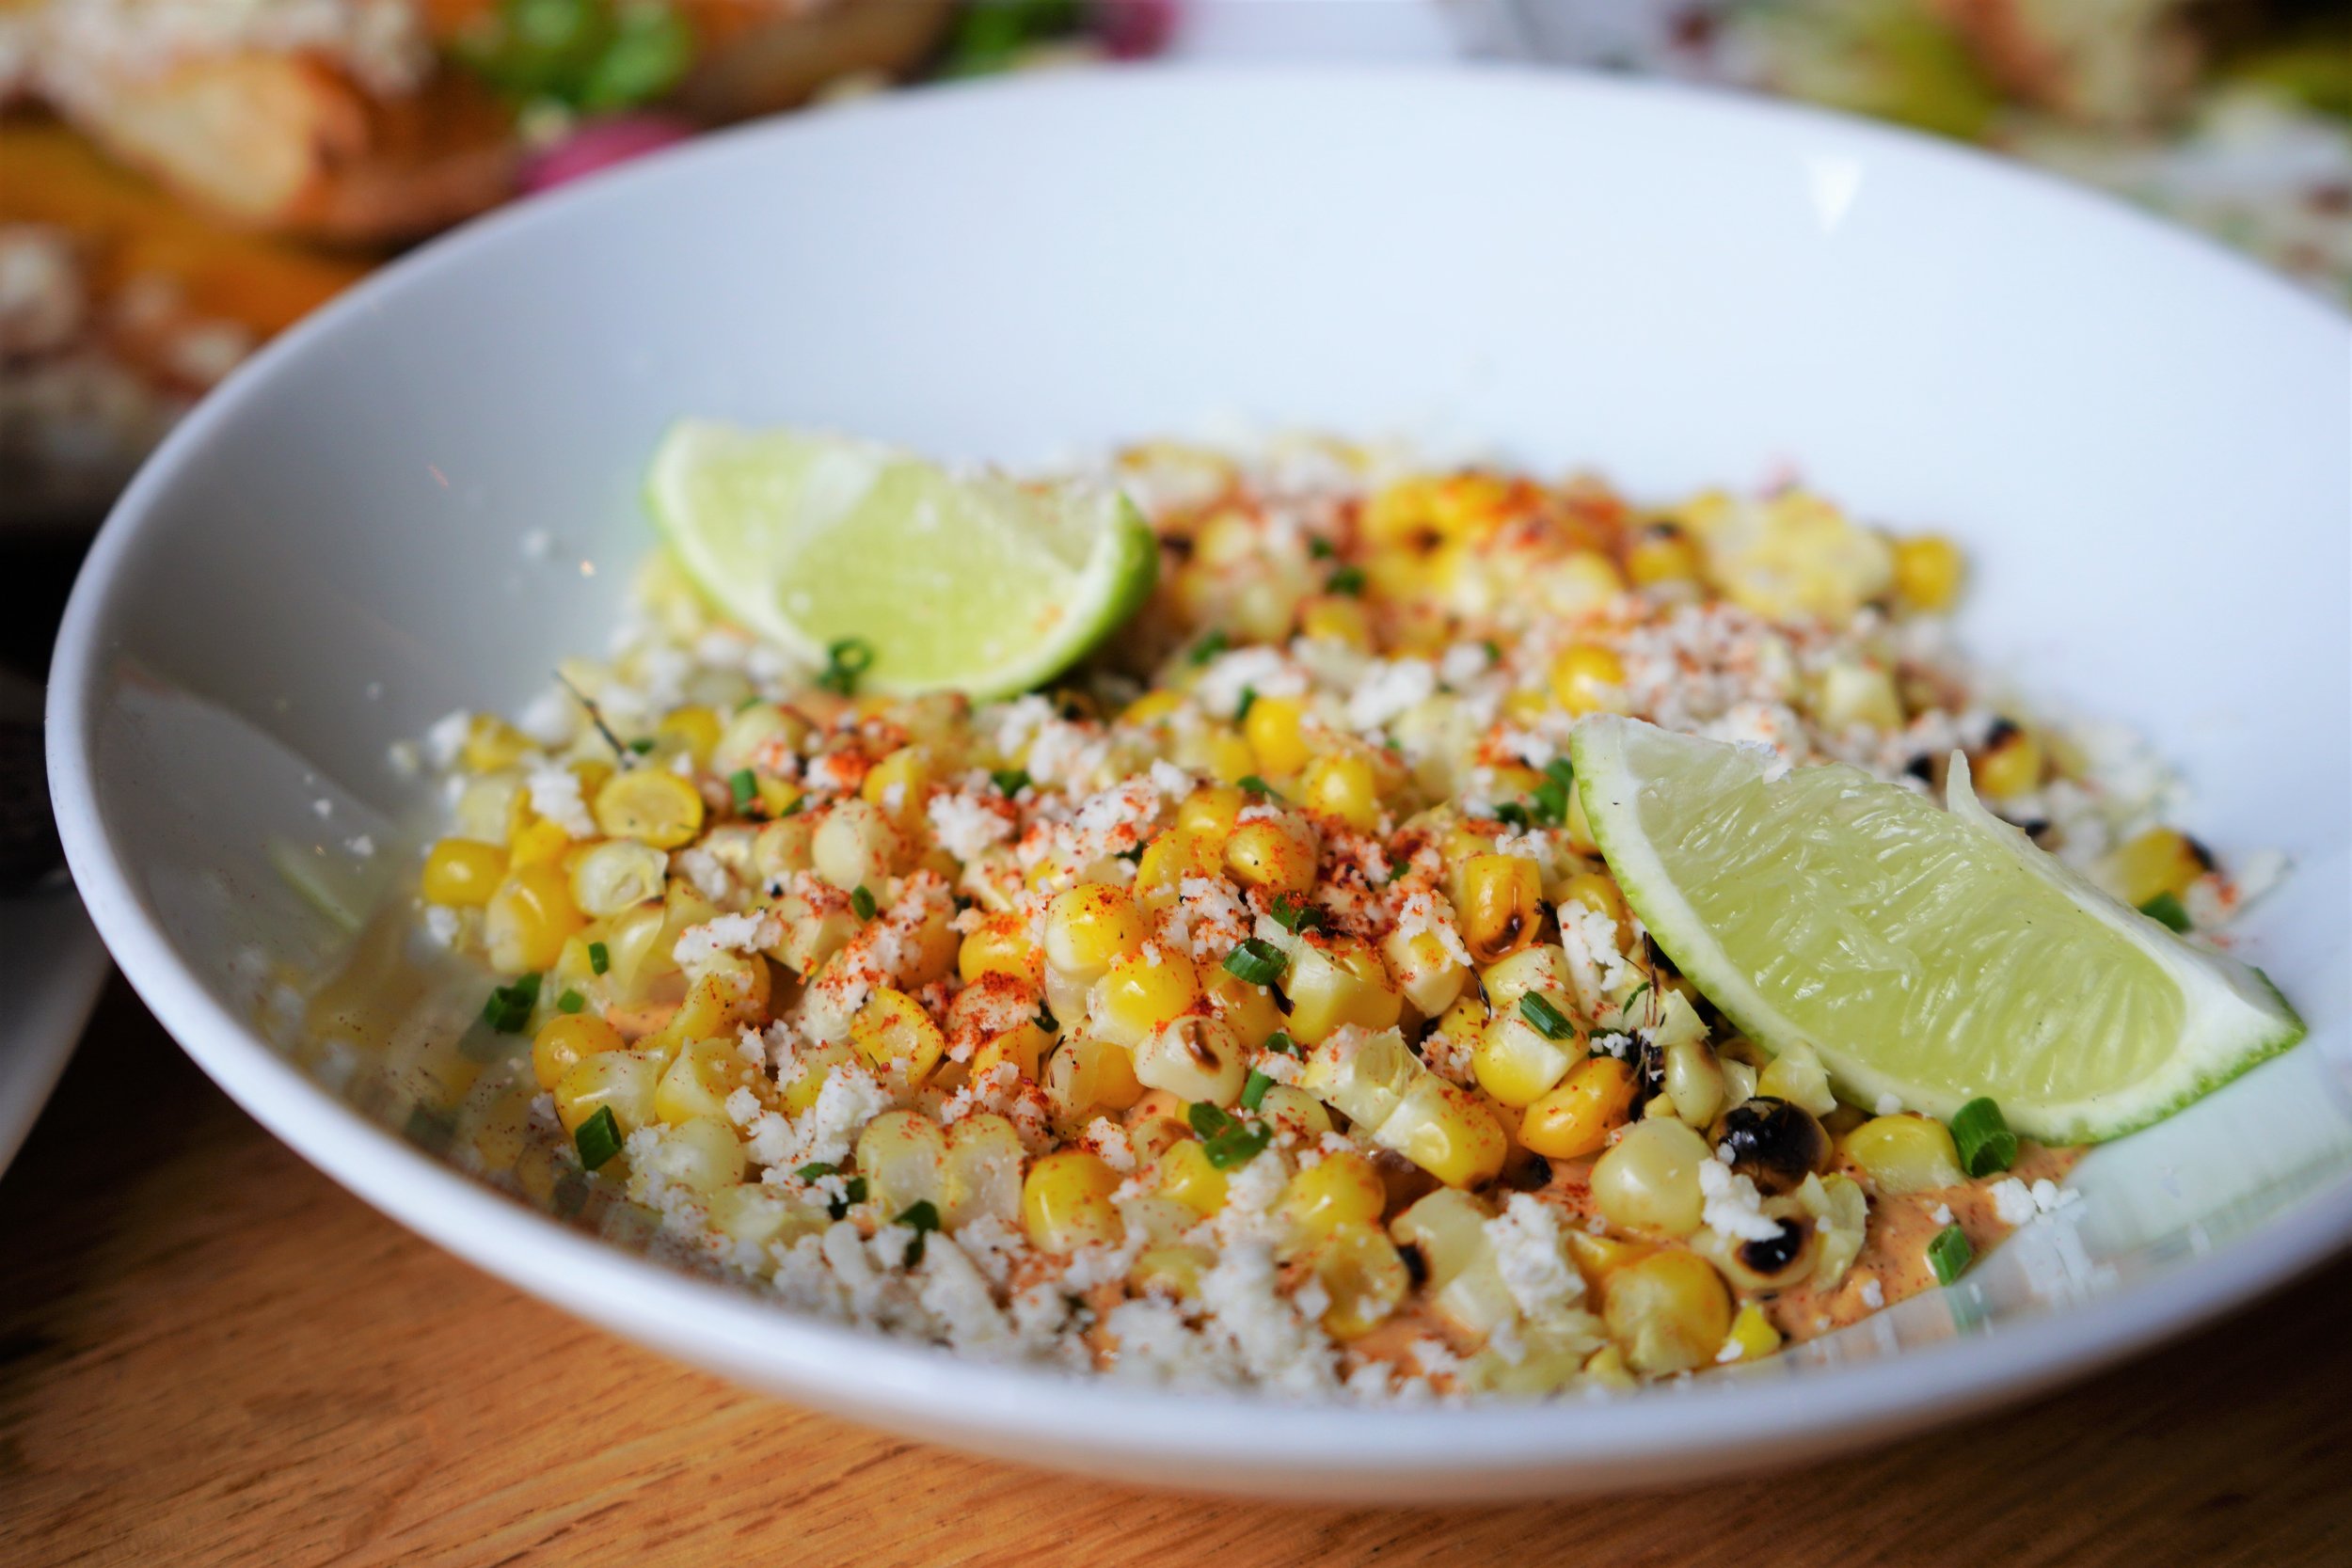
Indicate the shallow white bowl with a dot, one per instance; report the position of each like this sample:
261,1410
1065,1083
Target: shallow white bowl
2143,441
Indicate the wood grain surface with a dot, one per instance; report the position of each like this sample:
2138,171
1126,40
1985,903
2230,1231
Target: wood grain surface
210,1354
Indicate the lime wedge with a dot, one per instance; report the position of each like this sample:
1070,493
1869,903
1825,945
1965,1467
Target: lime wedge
1934,956
971,582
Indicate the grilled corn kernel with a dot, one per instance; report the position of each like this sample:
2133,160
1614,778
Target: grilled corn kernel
528,919
2009,765
693,730
1187,1176
1340,1189
1446,1132
1575,1118
622,1080
855,846
1753,1333
1174,856
1336,983
1663,554
492,743
1648,1180
1152,707
903,1157
1796,1075
1194,1058
1086,1078
1143,991
1000,944
462,872
1066,1202
983,1170
617,874
1425,970
1090,926
1276,730
1449,1228
701,1155
567,1039
1362,1275
2158,861
897,786
1905,1154
1330,618
1500,909
1248,1010
652,805
698,1081
1343,785
1272,853
1212,811
808,1072
1927,571
1588,679
1669,1313
893,1033
1515,1063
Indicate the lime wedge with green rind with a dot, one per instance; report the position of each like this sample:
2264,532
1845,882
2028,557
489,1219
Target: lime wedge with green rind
970,583
1931,955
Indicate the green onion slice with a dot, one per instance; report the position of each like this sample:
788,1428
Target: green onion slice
570,1001
599,957
744,787
1950,1254
845,662
1549,1021
1254,1090
1293,914
862,902
1260,963
1209,648
598,1138
2166,911
1010,781
1982,1137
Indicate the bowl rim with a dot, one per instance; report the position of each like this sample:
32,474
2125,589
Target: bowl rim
892,1380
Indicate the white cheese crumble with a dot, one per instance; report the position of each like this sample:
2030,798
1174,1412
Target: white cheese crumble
965,824
555,795
1388,690
1733,1207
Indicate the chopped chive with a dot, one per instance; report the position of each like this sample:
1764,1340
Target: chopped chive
1399,865
1560,771
923,1216
1011,782
1293,914
1982,1137
1348,581
1950,1254
744,787
509,1006
1514,814
599,957
862,902
1625,1008
852,1191
1282,1042
1260,963
1251,784
1237,1145
1248,700
1254,1090
1047,1022
598,1138
1550,803
1494,650
570,1001
1133,854
1207,1119
816,1170
800,804
845,662
1209,648
747,704
1549,1021
641,745
2166,910
1321,549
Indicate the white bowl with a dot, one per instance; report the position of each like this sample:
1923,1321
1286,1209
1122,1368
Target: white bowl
2143,441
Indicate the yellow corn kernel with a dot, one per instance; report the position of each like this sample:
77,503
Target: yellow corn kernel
567,1039
1294,1111
893,1033
1606,1367
1332,618
528,919
903,1157
537,841
1595,890
703,1155
1340,1189
2010,765
1526,705
1588,679
1577,830
1425,970
1927,571
855,846
492,743
1000,944
1669,1313
1597,1258
1905,1154
1855,693
1542,968
1796,1076
621,1080
1194,1058
2158,861
1172,1271
983,1170
1212,811
897,786
699,1078
1446,1132
1754,1333
652,805
1337,981
1578,581
815,1065
1364,1274
1501,905
1218,751
617,874
1187,1176
1363,1080
1141,992
1342,784
1248,1010
1515,1063
1153,708
1271,853
1663,554
762,728
1023,1046
1276,730
1172,857
1087,1078
1648,1180
463,873
1090,926
693,730
1066,1202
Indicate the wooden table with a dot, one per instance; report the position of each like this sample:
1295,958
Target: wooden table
210,1354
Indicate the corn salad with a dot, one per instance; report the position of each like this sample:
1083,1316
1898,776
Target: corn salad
1255,1010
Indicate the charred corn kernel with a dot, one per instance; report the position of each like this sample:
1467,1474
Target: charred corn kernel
567,1039
1294,1111
1090,927
1342,1188
1000,944
1175,855
698,1081
1752,1334
1086,1078
492,743
1212,811
693,730
1648,1180
1066,1202
1669,1313
1154,1127
1143,991
1694,1082
527,921
652,805
855,846
1194,1058
983,1170
897,785
1330,619
617,874
2009,765
1424,968
1173,1271
1501,909
1575,1118
2158,861
808,1072
463,873
893,1033
1588,679
1905,1154
701,1155
1273,854
1335,982
1663,554
1187,1176
1927,571
903,1157
1342,784
1248,1010
1516,1062
1153,708
1276,730
1796,1076
1362,1275
1446,1132
1449,1228
621,1080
